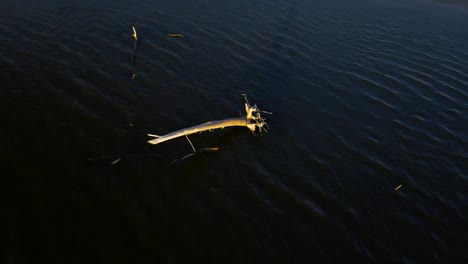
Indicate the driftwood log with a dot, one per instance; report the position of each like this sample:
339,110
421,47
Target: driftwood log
252,120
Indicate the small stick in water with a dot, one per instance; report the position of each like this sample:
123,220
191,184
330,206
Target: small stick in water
135,36
116,161
134,33
194,151
210,149
176,35
399,186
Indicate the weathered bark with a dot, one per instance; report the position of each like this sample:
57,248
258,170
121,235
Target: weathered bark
252,121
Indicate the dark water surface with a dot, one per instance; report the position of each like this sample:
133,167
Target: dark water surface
366,96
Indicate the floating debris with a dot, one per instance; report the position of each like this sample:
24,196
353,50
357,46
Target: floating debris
399,186
252,121
135,36
211,149
176,35
134,33
116,161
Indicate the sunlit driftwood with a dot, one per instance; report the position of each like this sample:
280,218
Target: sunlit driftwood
176,35
251,120
135,36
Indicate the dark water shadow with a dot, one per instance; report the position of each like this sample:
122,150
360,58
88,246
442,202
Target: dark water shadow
452,2
458,5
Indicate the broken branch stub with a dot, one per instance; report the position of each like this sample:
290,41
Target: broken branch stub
252,121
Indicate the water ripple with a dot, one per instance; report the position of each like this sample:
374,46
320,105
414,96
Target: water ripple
363,101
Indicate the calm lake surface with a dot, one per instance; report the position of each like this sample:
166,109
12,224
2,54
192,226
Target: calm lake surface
366,159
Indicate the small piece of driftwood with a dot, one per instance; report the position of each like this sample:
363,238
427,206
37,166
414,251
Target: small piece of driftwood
252,120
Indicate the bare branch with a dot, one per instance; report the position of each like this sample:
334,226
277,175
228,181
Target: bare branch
252,120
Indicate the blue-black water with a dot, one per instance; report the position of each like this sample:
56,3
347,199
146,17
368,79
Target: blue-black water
366,96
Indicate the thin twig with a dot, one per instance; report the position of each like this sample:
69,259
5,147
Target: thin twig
194,151
191,154
176,35
116,161
134,33
245,98
135,36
